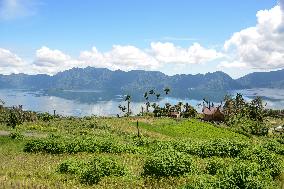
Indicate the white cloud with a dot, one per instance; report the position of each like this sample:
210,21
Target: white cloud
195,54
235,64
120,57
51,61
10,63
259,47
12,9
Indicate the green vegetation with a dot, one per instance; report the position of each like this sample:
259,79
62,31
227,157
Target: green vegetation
93,171
141,151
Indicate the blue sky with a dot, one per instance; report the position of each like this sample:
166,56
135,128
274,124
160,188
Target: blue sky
173,36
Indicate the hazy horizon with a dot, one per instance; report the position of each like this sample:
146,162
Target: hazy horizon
147,70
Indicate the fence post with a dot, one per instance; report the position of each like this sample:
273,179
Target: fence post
138,132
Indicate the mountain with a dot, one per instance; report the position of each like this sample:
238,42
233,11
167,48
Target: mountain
117,81
210,85
273,79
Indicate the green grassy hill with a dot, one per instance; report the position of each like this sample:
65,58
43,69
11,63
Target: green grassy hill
96,152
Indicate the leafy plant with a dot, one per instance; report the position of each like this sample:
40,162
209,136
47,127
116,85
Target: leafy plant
93,171
16,135
167,163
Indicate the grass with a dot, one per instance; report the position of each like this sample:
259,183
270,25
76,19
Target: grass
190,128
40,170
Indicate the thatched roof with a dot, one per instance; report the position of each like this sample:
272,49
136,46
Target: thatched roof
211,110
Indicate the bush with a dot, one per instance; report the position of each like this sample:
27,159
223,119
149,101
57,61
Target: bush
274,146
240,175
16,135
280,139
93,171
167,163
61,145
267,160
71,166
215,165
46,116
250,127
44,145
99,168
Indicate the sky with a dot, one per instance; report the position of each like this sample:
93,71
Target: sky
171,36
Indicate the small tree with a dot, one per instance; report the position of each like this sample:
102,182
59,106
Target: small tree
147,101
167,90
128,99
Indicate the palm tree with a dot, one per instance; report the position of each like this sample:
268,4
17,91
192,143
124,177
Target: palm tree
179,106
151,92
147,101
186,106
147,106
154,105
167,90
158,96
146,95
122,108
128,98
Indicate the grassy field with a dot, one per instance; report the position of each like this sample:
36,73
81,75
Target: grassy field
106,153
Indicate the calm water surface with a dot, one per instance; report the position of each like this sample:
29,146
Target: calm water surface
84,102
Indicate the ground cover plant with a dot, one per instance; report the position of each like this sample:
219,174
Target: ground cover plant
100,152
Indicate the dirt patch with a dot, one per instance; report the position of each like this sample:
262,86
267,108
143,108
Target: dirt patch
4,133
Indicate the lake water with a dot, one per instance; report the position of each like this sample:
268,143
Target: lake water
84,102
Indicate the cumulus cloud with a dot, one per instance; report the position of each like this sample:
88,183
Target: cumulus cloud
120,57
10,63
195,54
52,61
12,9
259,47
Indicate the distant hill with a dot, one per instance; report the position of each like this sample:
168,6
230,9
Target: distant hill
139,81
273,79
104,79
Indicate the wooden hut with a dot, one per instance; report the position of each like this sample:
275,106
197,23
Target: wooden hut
174,114
213,114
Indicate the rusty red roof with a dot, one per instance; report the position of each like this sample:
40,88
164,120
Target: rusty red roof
210,111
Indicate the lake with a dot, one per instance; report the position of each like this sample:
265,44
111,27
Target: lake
85,102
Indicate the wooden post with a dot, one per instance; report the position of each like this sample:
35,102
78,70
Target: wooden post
138,132
54,112
142,110
128,108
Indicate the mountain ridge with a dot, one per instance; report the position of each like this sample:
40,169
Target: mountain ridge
140,80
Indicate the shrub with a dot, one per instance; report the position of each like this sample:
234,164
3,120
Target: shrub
99,168
250,127
239,175
274,146
93,171
167,163
16,135
45,116
245,175
215,165
267,160
61,145
141,141
71,166
280,139
44,145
